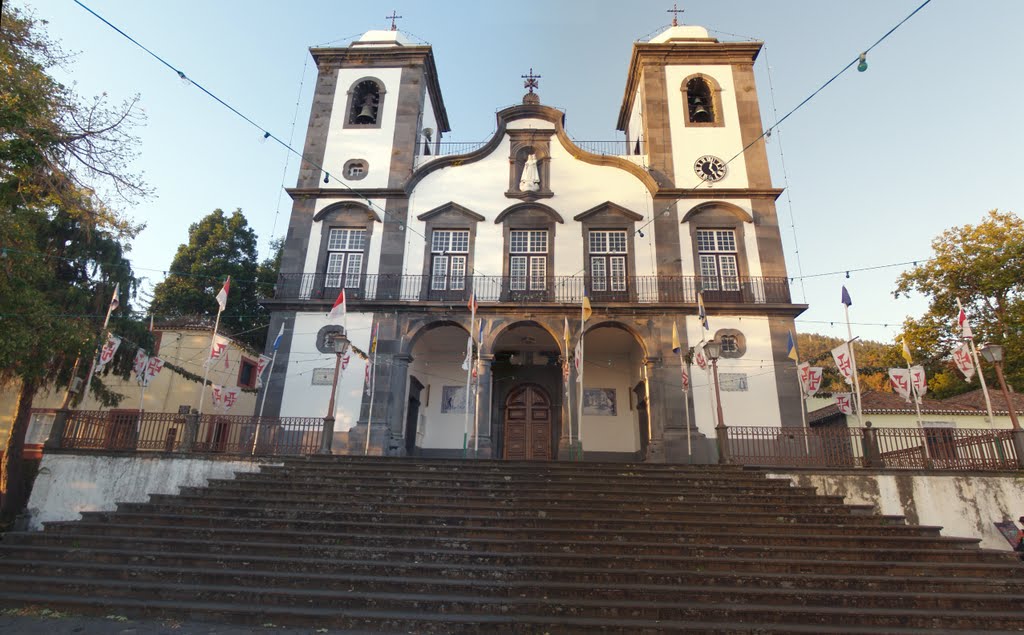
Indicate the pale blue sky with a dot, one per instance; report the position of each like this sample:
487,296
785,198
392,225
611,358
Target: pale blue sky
878,163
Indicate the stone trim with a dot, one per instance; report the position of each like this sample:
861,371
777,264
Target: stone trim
340,217
521,142
741,342
451,208
520,207
735,210
715,217
716,102
331,209
449,216
609,209
718,193
381,90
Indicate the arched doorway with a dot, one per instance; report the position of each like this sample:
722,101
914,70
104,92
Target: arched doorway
528,424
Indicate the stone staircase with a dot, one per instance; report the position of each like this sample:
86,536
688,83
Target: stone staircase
393,545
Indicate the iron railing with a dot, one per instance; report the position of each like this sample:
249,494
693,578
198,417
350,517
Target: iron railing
426,151
206,434
553,289
896,448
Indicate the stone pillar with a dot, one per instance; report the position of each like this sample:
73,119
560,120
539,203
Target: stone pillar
188,440
722,441
483,407
395,395
869,441
1017,437
657,393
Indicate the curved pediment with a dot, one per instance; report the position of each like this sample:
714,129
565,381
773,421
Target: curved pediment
608,208
529,207
729,208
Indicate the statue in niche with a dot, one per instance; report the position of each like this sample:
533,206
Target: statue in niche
530,181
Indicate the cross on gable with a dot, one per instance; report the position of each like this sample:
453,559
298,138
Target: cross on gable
394,16
675,14
531,80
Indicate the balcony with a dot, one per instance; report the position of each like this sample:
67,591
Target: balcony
552,289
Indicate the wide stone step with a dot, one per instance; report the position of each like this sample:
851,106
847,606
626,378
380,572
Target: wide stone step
562,570
704,608
541,553
410,536
506,582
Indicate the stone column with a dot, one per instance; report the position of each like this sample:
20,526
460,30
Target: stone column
656,417
483,407
396,400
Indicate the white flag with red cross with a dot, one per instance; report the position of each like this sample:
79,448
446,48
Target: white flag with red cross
844,361
899,379
963,360
108,350
844,401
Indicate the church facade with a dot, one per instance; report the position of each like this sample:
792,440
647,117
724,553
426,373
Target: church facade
414,228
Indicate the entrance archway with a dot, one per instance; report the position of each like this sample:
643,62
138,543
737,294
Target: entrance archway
528,433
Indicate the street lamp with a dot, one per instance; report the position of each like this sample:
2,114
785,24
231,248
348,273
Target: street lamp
993,353
713,350
338,342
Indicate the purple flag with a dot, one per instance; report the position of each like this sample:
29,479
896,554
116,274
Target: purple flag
846,297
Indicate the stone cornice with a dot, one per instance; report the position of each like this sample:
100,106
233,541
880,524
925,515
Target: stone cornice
680,53
718,193
385,56
298,193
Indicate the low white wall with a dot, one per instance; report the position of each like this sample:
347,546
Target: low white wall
963,505
69,484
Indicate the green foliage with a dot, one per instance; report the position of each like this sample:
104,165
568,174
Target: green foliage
983,266
874,359
220,246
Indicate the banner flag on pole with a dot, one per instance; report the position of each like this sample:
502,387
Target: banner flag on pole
686,378
115,301
218,350
844,362
965,326
108,350
565,334
151,329
899,378
261,365
587,311
919,381
699,358
846,297
963,361
139,365
222,295
676,346
702,315
153,367
810,378
791,348
338,311
906,352
577,357
468,361
844,402
280,336
472,304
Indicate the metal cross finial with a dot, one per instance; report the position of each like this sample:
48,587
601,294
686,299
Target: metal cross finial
394,16
531,80
675,14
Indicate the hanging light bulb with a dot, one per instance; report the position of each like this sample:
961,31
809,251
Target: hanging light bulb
641,232
847,275
266,135
862,65
327,177
185,81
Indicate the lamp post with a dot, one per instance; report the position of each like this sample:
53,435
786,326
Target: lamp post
713,350
339,342
993,353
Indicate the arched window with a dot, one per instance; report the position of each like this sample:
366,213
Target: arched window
364,107
699,102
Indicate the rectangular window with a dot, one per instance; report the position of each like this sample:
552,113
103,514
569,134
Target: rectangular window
247,373
528,271
448,271
607,271
598,273
344,257
717,259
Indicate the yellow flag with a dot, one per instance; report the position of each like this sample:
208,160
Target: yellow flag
587,311
675,339
906,352
565,335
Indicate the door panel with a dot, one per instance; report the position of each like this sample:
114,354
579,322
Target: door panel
528,424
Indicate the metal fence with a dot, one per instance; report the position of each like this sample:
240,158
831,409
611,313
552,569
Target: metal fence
206,434
554,289
429,150
896,448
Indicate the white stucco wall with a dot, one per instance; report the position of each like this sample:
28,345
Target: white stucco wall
301,398
69,484
436,429
963,505
759,404
619,433
690,143
371,144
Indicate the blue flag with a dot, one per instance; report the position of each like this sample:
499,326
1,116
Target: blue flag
846,297
791,348
280,334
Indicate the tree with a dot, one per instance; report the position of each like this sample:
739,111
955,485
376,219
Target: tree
983,266
873,361
63,169
218,246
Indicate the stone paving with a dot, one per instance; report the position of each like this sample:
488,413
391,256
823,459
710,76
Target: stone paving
47,622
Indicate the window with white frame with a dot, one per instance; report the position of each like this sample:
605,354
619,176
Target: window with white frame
449,249
528,259
345,257
607,259
716,249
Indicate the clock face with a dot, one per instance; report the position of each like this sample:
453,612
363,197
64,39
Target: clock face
710,168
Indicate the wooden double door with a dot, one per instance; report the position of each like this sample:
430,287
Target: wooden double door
528,424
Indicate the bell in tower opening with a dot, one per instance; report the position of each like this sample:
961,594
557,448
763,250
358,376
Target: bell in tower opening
365,103
698,99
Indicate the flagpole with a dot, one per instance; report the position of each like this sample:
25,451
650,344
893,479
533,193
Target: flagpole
916,396
853,361
106,321
686,403
579,413
206,371
803,408
469,372
373,391
977,365
476,420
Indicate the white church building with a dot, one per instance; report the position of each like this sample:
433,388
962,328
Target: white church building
412,226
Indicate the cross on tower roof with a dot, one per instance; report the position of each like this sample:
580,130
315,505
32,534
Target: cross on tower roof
394,16
675,14
531,80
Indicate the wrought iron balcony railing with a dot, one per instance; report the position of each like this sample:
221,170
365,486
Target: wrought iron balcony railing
551,289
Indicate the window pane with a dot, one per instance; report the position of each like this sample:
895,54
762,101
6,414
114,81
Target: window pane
439,242
335,264
539,242
517,271
352,271
336,239
538,272
617,242
439,278
618,266
598,242
708,273
598,274
458,273
726,240
460,242
517,241
705,240
729,344
730,275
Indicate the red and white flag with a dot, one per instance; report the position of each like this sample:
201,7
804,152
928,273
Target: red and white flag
686,379
699,358
963,360
139,365
219,349
339,309
153,367
844,401
577,357
919,381
899,378
472,304
108,350
222,295
810,378
965,326
844,361
261,365
230,396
